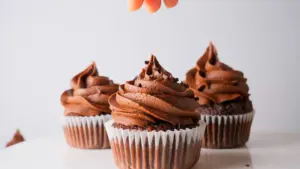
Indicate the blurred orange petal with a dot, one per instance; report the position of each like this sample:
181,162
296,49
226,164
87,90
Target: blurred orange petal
134,5
153,5
170,3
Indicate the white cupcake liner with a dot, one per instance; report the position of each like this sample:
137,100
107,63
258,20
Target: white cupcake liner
160,150
227,131
86,132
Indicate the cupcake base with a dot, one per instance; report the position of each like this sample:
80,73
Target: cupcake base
86,132
228,131
179,149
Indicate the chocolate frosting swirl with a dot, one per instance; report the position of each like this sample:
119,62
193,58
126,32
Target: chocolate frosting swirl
89,94
215,82
153,97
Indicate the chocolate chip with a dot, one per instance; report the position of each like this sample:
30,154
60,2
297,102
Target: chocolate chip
146,62
200,89
176,80
247,165
140,85
196,98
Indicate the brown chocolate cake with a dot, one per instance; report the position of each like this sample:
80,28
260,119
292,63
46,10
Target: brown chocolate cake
154,124
159,126
87,103
223,95
152,99
227,108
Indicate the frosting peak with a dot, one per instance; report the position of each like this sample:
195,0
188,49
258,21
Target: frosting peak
153,97
154,71
214,81
89,94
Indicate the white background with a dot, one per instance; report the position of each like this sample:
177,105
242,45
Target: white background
44,43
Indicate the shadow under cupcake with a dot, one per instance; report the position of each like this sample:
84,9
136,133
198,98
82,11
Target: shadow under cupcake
154,123
87,109
223,95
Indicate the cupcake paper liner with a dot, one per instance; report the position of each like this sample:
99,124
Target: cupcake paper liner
134,149
86,132
227,131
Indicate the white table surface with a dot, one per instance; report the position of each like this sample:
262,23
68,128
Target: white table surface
263,151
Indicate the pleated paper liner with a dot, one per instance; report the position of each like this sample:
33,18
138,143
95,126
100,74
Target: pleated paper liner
227,131
86,132
134,149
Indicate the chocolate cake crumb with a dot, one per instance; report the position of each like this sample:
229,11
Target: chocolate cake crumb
247,165
18,138
146,62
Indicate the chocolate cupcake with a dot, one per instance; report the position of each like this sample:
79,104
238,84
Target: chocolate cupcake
87,109
154,123
223,95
